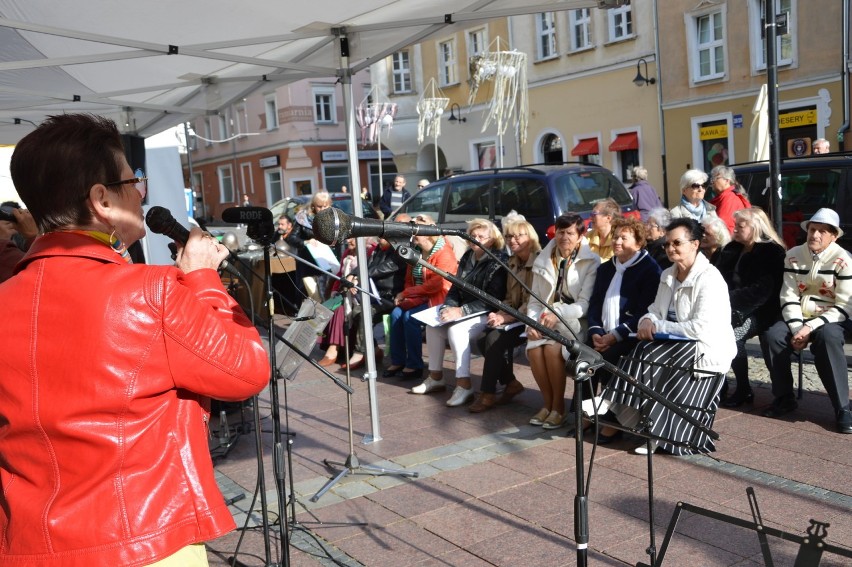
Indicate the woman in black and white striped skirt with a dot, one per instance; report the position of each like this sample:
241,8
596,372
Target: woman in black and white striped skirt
692,304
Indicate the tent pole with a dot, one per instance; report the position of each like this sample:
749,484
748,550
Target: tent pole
355,179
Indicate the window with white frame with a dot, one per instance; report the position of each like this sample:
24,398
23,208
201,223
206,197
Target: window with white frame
226,184
580,28
325,111
240,119
620,22
785,47
477,42
222,122
208,132
274,186
545,32
447,63
401,71
271,106
706,44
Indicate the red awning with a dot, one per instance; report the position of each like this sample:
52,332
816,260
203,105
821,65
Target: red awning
586,147
622,142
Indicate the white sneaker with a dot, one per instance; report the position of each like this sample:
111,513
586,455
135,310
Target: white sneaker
643,449
460,396
429,385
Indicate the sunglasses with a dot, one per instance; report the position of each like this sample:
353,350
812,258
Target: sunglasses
675,243
140,182
699,185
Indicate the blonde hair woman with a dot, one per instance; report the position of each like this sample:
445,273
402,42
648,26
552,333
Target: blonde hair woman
497,342
463,313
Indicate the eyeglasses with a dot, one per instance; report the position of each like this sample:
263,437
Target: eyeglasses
140,182
516,236
699,185
676,243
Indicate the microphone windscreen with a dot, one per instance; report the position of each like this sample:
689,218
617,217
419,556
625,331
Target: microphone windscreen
332,226
159,219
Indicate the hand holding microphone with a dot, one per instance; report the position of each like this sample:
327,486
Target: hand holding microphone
200,251
196,250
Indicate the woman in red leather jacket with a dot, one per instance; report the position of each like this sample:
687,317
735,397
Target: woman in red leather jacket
108,368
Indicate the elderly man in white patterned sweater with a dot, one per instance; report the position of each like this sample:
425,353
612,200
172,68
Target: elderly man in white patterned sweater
815,300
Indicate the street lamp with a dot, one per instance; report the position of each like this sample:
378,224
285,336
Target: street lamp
453,118
640,80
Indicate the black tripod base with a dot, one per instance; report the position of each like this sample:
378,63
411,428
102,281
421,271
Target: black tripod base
352,466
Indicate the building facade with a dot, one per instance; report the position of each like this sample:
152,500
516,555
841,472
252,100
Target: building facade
713,60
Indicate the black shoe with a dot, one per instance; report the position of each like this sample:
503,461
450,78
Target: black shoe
738,398
781,406
391,372
607,439
844,421
411,374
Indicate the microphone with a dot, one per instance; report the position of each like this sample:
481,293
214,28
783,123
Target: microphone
332,226
161,221
258,221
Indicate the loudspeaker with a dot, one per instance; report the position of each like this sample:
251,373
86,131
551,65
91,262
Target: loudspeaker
134,150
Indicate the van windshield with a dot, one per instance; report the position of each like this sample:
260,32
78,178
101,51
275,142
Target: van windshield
579,191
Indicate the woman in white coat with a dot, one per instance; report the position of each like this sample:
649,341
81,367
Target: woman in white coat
692,302
563,276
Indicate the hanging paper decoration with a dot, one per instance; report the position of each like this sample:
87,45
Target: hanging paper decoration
373,116
430,108
507,71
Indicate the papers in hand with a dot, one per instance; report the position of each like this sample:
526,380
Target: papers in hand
431,316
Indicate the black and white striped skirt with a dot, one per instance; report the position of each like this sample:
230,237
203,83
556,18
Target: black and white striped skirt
668,368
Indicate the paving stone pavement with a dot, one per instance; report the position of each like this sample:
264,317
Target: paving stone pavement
489,480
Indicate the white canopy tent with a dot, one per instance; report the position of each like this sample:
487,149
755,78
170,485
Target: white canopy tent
156,64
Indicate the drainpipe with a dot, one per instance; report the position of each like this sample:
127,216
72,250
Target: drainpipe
844,42
662,120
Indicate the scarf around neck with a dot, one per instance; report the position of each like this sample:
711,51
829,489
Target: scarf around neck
698,211
612,301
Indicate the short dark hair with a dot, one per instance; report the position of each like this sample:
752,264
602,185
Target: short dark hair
54,167
694,228
571,219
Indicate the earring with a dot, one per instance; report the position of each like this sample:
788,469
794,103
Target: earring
117,245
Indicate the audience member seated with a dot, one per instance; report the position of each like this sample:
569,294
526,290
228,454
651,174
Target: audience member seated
342,298
600,237
497,343
386,271
815,296
693,185
563,277
459,312
692,302
658,220
624,288
716,237
752,265
423,289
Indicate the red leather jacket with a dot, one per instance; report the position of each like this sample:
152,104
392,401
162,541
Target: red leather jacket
105,378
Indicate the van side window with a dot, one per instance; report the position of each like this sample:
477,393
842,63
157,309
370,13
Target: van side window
468,199
578,192
527,197
426,201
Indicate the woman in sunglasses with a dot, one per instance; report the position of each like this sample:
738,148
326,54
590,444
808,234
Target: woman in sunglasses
693,186
686,346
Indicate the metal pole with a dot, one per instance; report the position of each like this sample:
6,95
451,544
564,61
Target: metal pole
191,178
774,134
661,117
355,179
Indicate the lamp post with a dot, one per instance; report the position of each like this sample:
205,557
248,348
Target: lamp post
453,118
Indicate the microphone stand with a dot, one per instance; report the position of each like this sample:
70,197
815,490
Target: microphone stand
352,465
583,360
